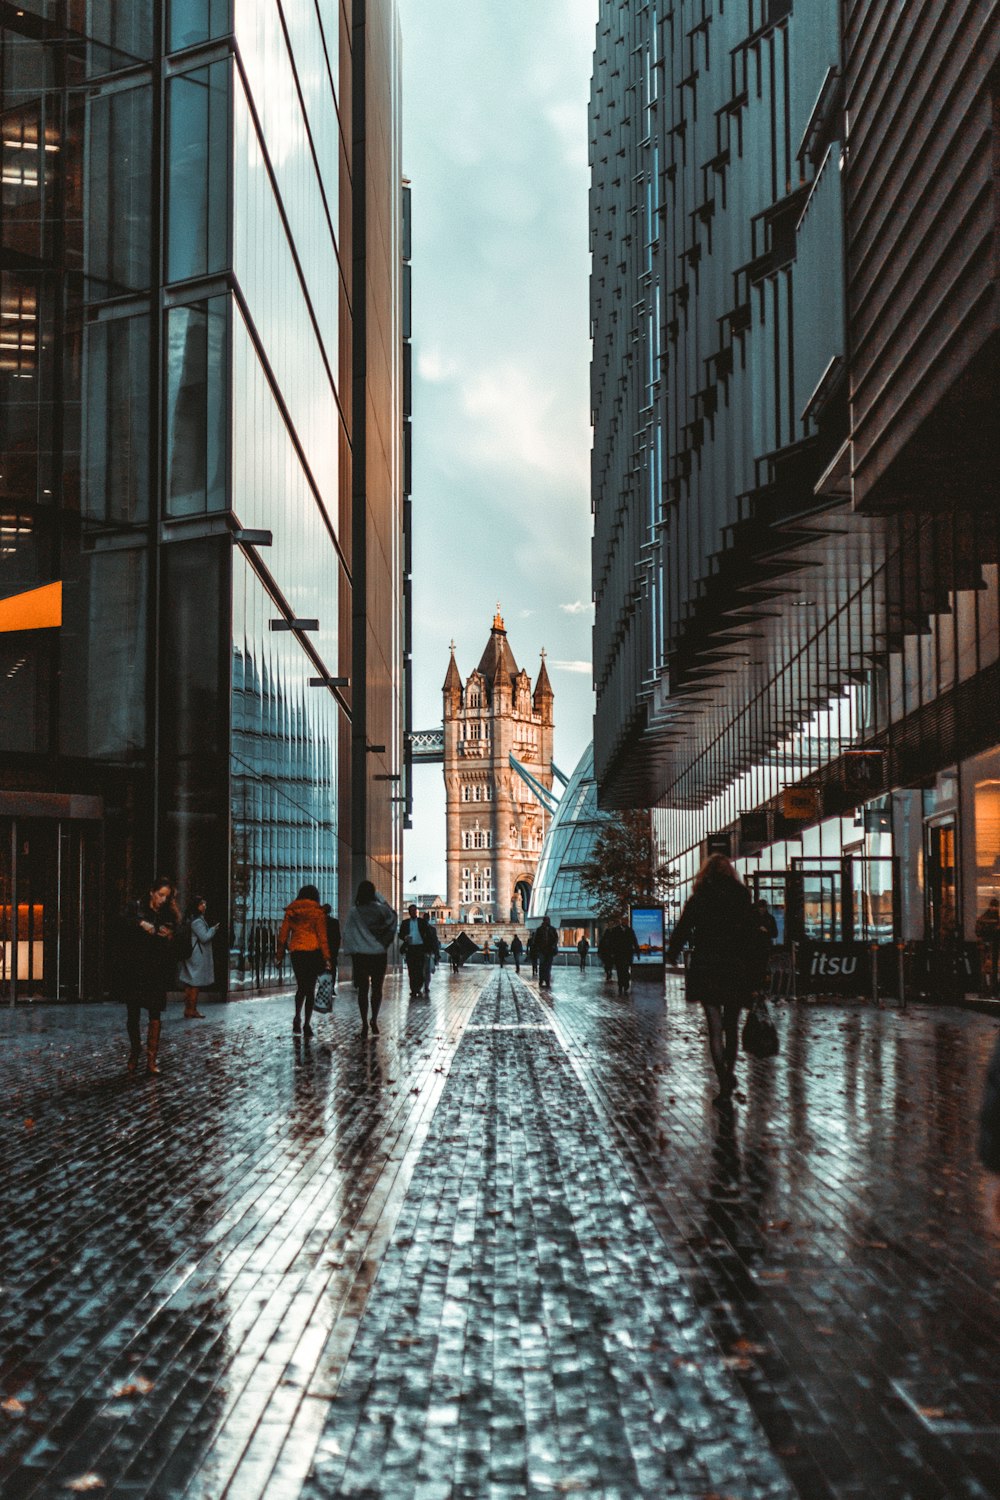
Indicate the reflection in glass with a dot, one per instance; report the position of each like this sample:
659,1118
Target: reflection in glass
283,779
198,209
115,466
103,657
194,21
197,403
118,217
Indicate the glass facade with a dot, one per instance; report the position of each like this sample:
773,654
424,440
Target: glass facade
765,621
558,891
178,448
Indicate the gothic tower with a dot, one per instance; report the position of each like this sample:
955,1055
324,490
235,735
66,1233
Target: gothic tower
495,824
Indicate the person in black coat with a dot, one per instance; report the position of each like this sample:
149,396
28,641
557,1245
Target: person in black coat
620,946
419,939
333,939
989,1127
544,946
719,924
146,962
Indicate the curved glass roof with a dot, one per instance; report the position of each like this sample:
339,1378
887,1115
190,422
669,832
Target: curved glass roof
558,890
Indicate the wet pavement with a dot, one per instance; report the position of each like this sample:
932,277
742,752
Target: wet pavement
505,1249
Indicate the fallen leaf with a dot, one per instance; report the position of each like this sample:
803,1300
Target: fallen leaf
12,1407
85,1482
744,1346
138,1387
932,1413
29,1124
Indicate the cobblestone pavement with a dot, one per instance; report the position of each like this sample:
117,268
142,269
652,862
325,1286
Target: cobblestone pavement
505,1249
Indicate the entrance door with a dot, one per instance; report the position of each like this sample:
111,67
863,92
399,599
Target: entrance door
48,909
941,884
814,906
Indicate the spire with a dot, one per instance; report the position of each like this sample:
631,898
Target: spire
543,687
498,657
453,679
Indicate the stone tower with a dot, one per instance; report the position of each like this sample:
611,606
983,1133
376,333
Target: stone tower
495,824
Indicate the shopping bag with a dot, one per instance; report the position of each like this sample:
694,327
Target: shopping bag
324,994
760,1035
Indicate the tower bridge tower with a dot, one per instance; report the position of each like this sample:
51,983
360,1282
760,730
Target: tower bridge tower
495,826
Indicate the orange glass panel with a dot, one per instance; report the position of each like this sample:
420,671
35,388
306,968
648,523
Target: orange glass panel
38,609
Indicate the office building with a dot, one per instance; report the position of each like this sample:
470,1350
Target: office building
793,222
201,460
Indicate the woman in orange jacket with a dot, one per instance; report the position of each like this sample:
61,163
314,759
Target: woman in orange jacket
303,934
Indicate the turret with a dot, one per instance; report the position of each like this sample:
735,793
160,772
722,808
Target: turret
452,688
543,694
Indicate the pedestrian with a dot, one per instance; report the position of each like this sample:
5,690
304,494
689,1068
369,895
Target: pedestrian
532,951
332,940
418,943
719,924
431,956
989,1129
604,952
583,948
303,934
517,952
148,930
988,933
621,947
486,952
197,968
546,946
368,933
503,949
767,932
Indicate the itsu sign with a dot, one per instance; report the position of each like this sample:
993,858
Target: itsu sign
834,969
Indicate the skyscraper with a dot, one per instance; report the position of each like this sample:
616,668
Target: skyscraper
201,440
795,557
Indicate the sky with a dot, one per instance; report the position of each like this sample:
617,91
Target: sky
495,144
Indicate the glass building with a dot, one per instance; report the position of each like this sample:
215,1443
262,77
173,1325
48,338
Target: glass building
558,891
795,450
200,549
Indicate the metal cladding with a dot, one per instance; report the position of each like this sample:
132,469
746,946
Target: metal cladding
796,548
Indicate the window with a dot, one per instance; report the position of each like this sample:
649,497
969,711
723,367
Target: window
197,228
118,191
197,403
115,459
194,21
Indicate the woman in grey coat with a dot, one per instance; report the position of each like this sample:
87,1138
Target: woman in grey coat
369,930
197,971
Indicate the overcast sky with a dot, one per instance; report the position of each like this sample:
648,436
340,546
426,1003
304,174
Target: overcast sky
495,143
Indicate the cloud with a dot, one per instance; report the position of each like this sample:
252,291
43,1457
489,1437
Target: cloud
525,614
572,666
434,366
577,608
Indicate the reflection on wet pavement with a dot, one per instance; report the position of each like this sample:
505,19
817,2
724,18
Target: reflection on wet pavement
505,1249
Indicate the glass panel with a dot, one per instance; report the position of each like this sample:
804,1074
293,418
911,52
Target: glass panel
198,209
821,915
942,884
103,645
117,213
6,911
284,779
197,407
25,684
194,21
115,466
119,35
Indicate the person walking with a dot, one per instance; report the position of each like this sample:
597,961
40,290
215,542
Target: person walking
517,952
303,936
989,1130
718,923
583,948
432,955
503,950
622,947
604,952
418,942
988,933
368,931
546,946
532,951
767,932
332,940
197,970
148,932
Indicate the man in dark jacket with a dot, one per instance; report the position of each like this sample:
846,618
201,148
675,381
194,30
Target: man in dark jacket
622,946
418,939
544,946
989,1127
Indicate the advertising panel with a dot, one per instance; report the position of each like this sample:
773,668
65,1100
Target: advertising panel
647,924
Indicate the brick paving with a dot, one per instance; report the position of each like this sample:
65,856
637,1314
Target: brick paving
505,1249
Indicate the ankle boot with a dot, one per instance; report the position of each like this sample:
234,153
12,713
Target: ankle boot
152,1046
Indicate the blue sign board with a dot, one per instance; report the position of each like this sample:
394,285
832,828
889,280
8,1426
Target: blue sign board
647,924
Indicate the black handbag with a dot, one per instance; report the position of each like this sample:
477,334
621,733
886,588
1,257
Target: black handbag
760,1035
